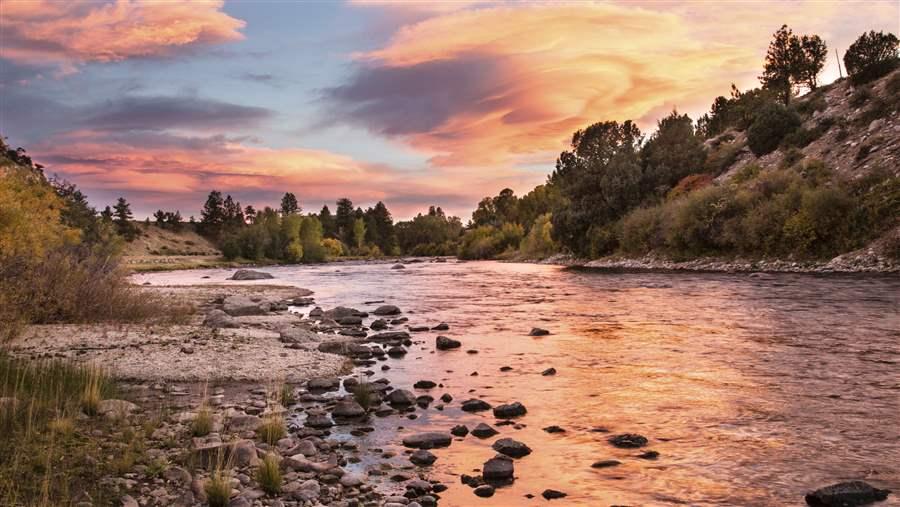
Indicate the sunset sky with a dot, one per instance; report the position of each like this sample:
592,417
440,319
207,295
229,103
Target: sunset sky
410,103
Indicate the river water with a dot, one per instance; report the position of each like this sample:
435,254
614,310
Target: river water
753,389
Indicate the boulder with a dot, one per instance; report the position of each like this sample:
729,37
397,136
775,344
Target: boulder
483,431
218,319
474,405
548,372
240,306
352,480
606,463
387,310
390,336
554,429
551,494
509,411
484,491
846,494
297,335
460,430
424,384
323,384
536,331
498,468
249,274
511,448
350,320
422,458
342,311
628,440
444,343
348,409
378,325
318,421
401,397
396,351
115,409
398,266
443,326
427,440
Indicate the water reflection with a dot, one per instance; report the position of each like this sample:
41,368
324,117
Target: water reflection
753,390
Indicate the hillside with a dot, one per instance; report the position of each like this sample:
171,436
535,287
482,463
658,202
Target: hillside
157,248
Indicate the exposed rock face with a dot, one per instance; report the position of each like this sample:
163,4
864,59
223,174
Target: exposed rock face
387,310
511,448
219,319
846,494
444,343
249,274
427,440
509,411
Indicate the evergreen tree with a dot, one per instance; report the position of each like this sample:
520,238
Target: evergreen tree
123,216
383,225
792,61
212,216
250,214
289,205
329,228
343,220
871,56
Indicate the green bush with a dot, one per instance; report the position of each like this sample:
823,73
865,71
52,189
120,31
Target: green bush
772,123
696,223
871,56
722,157
641,230
538,243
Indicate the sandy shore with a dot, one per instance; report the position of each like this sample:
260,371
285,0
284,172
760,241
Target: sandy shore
192,352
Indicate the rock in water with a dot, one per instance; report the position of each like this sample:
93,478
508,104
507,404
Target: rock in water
444,343
398,266
348,409
427,440
499,468
548,372
460,430
424,384
846,494
401,397
509,411
249,274
511,448
551,494
387,310
483,431
484,491
474,405
422,458
536,331
628,440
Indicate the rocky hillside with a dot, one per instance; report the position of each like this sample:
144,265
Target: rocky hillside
154,240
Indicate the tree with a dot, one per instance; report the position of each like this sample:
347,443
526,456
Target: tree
233,214
289,204
329,228
250,214
173,220
672,152
772,123
359,233
212,216
123,217
871,56
106,215
792,61
160,217
343,220
383,225
599,180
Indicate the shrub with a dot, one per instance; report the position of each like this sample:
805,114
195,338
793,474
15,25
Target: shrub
487,241
218,488
696,223
92,393
771,125
746,173
268,475
538,243
722,157
272,429
602,240
362,394
860,96
791,158
641,230
871,56
333,247
822,225
690,184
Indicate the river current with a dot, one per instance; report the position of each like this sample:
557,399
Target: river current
752,389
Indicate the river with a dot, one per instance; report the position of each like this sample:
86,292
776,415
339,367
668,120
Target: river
753,389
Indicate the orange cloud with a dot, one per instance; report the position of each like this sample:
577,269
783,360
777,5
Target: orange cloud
499,85
78,31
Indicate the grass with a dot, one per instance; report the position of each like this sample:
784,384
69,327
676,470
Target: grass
362,394
287,396
272,429
48,455
268,475
203,422
218,488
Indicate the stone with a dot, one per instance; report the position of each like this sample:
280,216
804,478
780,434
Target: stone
396,351
243,422
628,440
509,411
548,372
427,440
554,429
318,421
424,384
115,409
400,397
243,452
387,310
446,398
536,331
350,320
128,501
511,448
460,430
323,384
242,306
484,491
443,326
648,455
297,335
378,325
249,274
352,480
390,336
348,409
445,343
474,405
846,494
606,463
218,319
551,494
498,468
398,266
483,431
422,458
340,312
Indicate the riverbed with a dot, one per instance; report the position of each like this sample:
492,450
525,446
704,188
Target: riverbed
753,389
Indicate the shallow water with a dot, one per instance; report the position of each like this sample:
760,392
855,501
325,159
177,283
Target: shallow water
754,390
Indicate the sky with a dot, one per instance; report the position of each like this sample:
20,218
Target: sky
410,103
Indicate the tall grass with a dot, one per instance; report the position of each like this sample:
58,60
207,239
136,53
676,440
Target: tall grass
362,394
272,428
268,475
39,405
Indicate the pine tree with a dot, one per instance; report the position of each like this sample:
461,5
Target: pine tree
123,217
289,205
343,220
212,216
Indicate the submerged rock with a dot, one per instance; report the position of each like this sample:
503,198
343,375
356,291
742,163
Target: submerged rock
548,372
460,430
424,384
444,343
427,440
846,494
401,397
443,326
348,409
249,274
398,266
606,463
387,310
484,491
628,440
